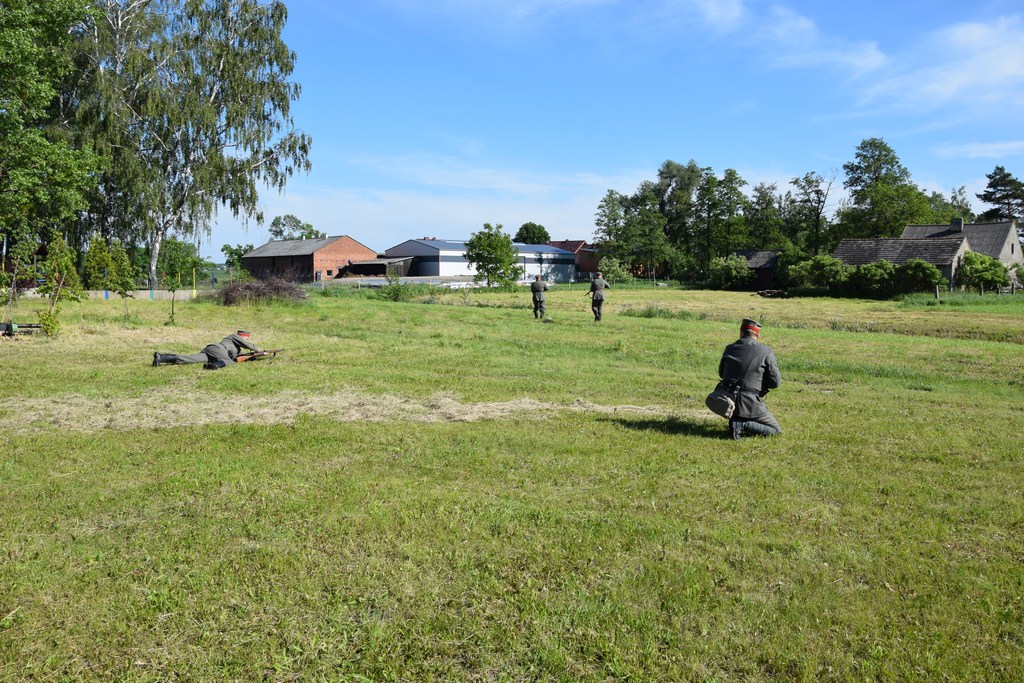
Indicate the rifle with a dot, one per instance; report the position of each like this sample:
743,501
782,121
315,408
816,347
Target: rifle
257,355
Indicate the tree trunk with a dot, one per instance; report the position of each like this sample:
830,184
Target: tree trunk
154,254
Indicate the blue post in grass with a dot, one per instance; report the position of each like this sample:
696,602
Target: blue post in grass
106,292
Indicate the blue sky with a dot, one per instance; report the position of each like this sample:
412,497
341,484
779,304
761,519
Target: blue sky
433,117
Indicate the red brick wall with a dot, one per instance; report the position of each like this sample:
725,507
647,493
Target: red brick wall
335,256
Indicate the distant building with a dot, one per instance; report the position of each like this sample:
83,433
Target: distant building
945,253
762,262
446,258
584,253
998,240
305,260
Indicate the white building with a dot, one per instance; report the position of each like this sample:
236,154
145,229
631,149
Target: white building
439,258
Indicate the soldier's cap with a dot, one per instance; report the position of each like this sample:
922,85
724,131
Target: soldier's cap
751,325
242,333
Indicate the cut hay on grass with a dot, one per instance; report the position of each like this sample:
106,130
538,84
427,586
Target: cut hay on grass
177,408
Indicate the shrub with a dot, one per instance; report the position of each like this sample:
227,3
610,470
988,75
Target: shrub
729,272
394,290
259,291
978,270
613,270
917,276
872,280
820,271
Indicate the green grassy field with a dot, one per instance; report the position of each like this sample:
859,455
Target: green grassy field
455,492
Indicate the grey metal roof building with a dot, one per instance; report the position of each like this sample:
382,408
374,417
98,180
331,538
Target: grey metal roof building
439,257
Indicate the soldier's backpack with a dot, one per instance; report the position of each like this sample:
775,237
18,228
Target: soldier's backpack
721,401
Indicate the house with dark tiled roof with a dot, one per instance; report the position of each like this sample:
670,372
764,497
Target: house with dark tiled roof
945,253
998,240
306,260
762,262
584,254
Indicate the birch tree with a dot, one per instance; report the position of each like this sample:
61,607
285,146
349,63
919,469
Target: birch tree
189,102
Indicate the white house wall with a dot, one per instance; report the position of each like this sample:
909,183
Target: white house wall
553,267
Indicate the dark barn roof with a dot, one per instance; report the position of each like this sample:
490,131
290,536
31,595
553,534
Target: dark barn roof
292,247
985,238
939,251
759,258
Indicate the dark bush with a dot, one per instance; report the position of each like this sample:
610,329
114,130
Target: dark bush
259,291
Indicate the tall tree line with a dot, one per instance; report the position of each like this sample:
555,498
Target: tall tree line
171,110
690,215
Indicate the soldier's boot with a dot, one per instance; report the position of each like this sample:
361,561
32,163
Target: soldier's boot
156,359
759,429
736,429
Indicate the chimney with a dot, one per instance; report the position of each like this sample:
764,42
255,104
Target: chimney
957,225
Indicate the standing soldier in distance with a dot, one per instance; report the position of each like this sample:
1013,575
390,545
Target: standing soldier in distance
597,287
749,370
538,287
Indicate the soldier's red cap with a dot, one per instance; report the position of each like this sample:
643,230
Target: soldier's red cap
242,333
749,324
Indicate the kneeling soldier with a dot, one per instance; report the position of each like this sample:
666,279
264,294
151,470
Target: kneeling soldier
751,367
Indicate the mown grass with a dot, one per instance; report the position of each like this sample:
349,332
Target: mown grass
880,537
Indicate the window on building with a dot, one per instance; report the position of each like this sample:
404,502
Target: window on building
330,273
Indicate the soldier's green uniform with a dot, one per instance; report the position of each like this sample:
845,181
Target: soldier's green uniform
217,355
750,370
538,287
597,287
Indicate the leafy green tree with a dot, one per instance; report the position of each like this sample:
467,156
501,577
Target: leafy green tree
883,200
1005,194
708,220
610,237
981,271
233,254
812,193
961,205
17,273
645,227
734,206
123,274
613,270
196,97
42,177
98,265
532,233
917,276
675,190
289,227
729,272
179,263
493,255
60,283
764,220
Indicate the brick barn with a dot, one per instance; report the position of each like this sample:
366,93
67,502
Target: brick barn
306,260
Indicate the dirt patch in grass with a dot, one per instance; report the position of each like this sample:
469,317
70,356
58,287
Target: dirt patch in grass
179,409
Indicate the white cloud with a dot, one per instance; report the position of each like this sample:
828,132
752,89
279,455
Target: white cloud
795,40
722,14
976,64
982,150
